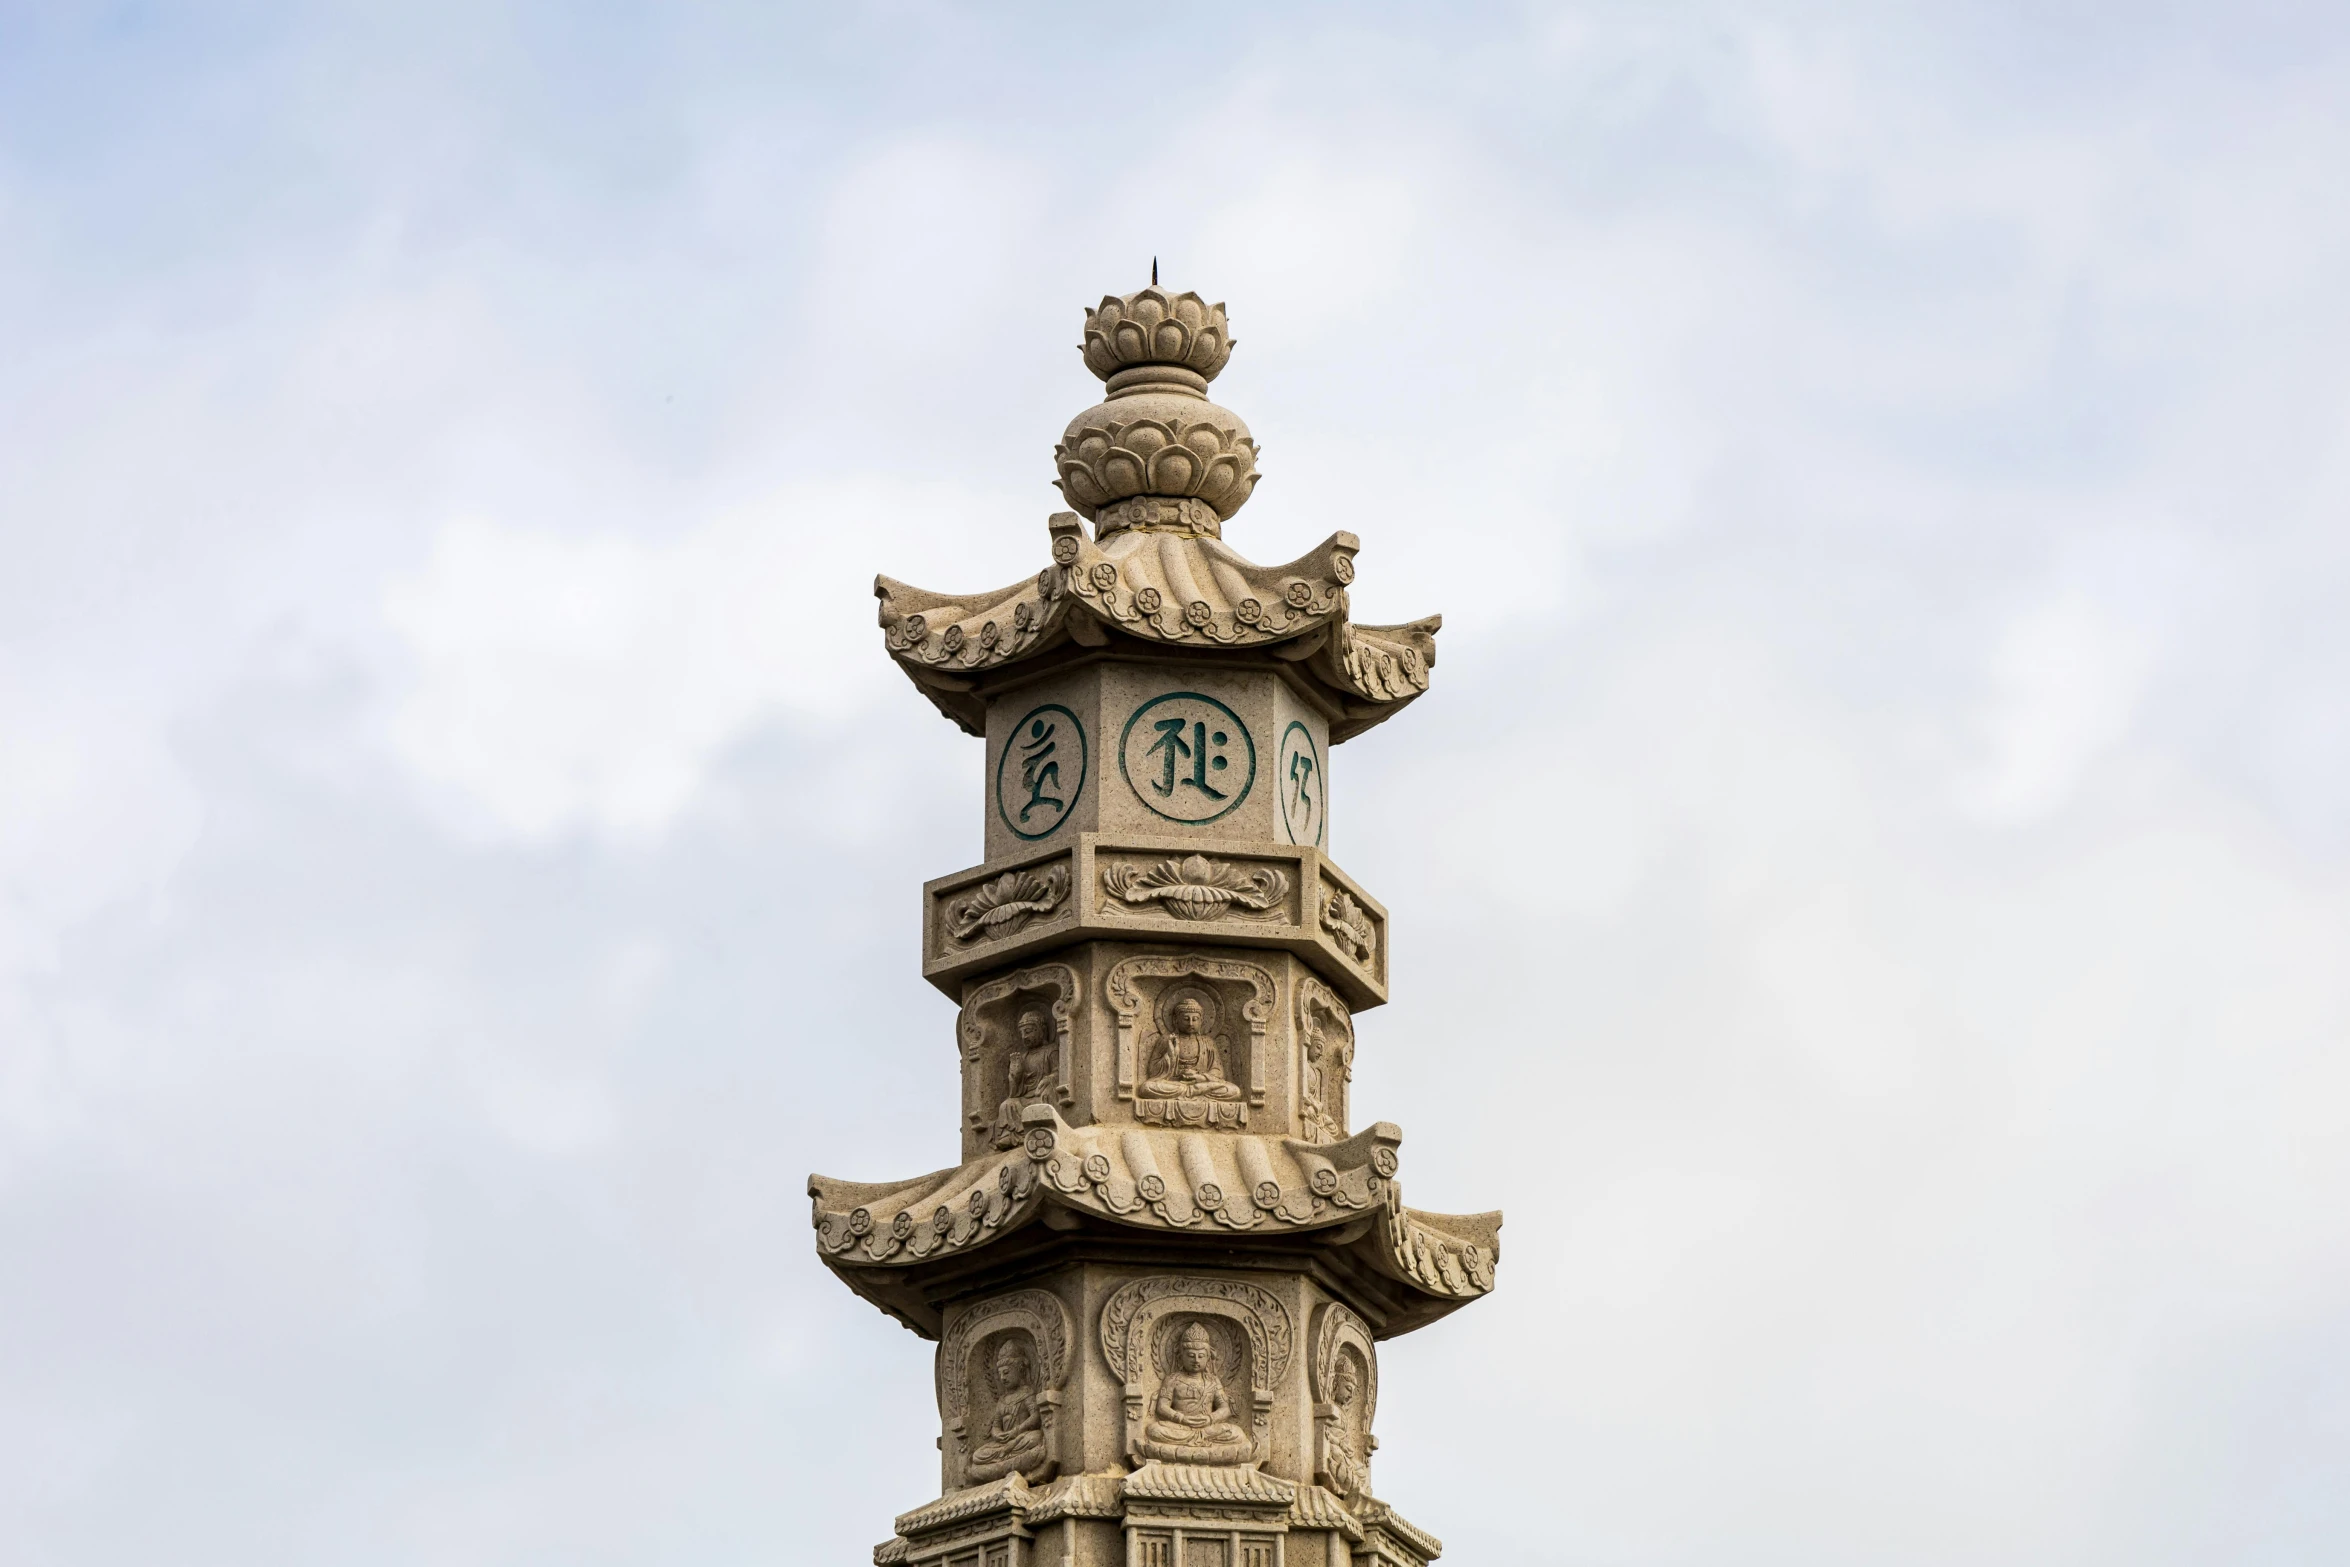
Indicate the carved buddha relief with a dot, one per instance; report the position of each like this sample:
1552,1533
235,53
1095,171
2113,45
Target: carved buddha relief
1191,1037
1016,1049
1015,1436
1201,1359
1031,1072
1326,1048
1345,1379
1001,1370
1188,1085
1192,1420
1346,1439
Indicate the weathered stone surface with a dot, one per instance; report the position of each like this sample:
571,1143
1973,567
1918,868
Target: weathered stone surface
1155,588
1159,1274
1155,888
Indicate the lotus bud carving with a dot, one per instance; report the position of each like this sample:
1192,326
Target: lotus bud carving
1184,448
1154,327
1005,905
1197,888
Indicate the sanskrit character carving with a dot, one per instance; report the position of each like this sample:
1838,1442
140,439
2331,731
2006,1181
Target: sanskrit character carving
1191,1419
1015,1438
1187,1085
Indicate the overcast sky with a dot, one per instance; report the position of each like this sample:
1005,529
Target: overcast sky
1872,879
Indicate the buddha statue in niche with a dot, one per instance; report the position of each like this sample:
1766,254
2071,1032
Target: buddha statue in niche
1191,1419
1015,1437
1187,1085
1342,1459
1030,1068
1329,1063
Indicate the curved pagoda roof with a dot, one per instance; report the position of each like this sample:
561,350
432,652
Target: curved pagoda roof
1167,587
1158,469
885,1239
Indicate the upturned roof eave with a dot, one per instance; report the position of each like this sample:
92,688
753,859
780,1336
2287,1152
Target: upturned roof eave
1162,592
1230,1187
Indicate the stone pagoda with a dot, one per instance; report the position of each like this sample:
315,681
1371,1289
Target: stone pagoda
1159,1275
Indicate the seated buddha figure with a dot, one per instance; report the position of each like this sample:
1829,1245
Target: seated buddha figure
1191,1419
1029,1072
1015,1438
1188,1066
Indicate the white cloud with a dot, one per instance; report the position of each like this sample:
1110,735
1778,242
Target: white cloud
95,814
1312,243
2067,678
563,681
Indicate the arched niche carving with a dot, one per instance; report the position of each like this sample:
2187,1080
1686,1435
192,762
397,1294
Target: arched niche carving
1325,1061
1343,1371
1237,1006
972,1405
1145,1316
1003,1073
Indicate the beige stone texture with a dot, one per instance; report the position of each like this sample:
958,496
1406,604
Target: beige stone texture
1215,752
1166,588
1181,1036
1156,888
1160,1269
1293,1372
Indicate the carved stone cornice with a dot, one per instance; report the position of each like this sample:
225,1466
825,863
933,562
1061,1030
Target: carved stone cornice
1155,1179
998,1498
1161,585
1131,887
1391,1540
1079,1496
1235,1492
1157,1493
1316,1508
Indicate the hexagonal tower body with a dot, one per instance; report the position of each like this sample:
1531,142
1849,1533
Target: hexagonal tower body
1160,1270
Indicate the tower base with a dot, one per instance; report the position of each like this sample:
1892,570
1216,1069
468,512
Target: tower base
1161,1515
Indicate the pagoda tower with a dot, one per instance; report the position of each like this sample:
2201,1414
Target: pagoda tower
1159,1273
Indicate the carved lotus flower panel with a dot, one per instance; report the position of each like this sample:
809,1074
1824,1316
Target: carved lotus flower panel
1197,888
1154,327
1004,907
1349,925
1200,451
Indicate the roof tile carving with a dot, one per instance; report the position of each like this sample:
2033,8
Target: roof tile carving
1220,1182
1158,469
1160,1481
1168,586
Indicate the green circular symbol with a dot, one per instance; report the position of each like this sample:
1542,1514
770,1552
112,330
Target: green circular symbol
1188,757
1040,772
1303,788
